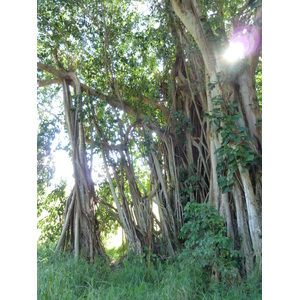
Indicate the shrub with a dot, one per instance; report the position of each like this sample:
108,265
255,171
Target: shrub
207,248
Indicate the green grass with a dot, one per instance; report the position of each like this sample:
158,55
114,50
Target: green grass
60,277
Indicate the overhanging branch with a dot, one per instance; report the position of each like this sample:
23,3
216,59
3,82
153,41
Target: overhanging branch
43,83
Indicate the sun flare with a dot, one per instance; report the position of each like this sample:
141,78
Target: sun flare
235,51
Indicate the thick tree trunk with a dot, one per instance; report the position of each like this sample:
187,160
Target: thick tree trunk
82,230
253,216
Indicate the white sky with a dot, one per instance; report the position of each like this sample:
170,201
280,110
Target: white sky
142,7
64,169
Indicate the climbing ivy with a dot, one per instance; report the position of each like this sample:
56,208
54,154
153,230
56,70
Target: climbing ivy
236,146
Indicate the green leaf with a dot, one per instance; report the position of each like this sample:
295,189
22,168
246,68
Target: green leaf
226,190
236,117
217,123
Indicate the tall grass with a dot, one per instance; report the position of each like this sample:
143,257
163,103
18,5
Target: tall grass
59,277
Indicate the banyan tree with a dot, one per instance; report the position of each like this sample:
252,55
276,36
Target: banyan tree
152,93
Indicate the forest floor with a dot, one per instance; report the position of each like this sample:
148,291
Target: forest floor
60,277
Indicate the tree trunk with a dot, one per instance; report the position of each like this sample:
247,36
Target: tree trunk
83,235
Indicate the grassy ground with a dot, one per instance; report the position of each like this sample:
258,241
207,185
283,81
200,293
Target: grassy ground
60,277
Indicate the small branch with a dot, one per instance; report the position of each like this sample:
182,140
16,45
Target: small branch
152,193
42,83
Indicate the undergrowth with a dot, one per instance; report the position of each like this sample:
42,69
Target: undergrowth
59,277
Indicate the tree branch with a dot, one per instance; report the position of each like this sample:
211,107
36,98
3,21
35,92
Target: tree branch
57,73
43,83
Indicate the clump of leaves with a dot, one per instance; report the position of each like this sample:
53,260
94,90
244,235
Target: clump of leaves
207,247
